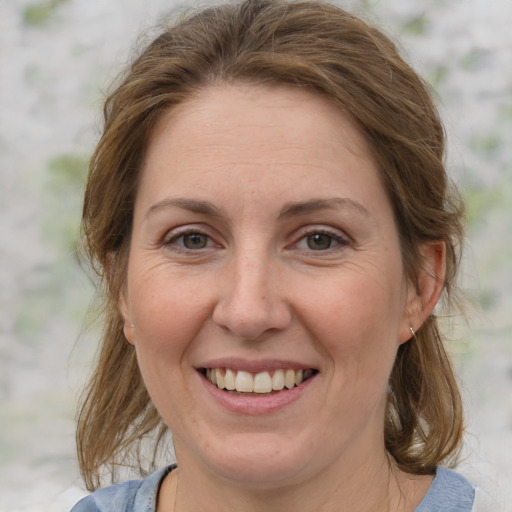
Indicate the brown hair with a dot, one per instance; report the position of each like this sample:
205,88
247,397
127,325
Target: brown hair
309,44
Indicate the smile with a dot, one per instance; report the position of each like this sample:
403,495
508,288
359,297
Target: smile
266,382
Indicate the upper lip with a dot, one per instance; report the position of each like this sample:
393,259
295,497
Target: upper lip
255,366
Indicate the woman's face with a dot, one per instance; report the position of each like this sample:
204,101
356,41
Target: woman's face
265,254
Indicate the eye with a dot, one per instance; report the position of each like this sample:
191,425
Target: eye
190,241
320,241
194,241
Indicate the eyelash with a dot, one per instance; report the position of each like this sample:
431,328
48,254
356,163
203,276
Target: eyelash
335,237
174,240
177,241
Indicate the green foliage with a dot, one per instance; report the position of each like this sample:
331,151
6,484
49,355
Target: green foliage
58,287
10,424
38,302
63,196
488,299
479,200
417,25
473,59
505,112
68,171
38,14
487,145
438,75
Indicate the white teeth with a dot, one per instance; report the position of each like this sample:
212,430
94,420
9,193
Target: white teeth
244,382
229,379
278,380
220,379
289,379
263,382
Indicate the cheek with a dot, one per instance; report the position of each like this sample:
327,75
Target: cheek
356,321
167,313
167,319
166,305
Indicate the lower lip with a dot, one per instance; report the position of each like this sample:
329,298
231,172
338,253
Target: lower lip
256,405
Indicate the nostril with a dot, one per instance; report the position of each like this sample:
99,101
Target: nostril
253,322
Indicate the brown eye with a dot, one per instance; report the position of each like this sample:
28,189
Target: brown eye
319,241
195,241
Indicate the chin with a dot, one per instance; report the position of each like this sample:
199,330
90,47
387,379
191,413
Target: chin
265,463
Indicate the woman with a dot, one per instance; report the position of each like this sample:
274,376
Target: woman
271,219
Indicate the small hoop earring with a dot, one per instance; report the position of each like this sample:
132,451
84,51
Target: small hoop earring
412,331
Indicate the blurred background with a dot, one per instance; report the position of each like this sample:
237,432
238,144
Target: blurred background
57,58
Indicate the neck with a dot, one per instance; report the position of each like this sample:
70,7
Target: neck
375,485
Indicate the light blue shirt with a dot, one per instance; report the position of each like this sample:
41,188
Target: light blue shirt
449,492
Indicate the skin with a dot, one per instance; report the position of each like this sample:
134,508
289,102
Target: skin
254,171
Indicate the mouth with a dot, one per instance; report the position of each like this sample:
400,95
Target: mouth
266,383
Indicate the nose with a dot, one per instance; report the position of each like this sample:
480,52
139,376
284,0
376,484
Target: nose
251,301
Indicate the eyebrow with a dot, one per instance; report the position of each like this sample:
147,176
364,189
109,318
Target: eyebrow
193,205
289,210
315,205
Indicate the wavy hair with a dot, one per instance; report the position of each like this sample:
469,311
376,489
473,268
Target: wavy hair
307,44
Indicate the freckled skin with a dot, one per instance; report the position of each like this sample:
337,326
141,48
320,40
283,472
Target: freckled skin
259,289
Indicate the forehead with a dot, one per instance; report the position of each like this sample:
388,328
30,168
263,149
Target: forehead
235,109
257,136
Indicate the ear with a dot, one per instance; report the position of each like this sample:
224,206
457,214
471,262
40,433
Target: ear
125,310
423,295
123,302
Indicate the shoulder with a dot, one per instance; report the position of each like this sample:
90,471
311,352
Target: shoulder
132,496
449,492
